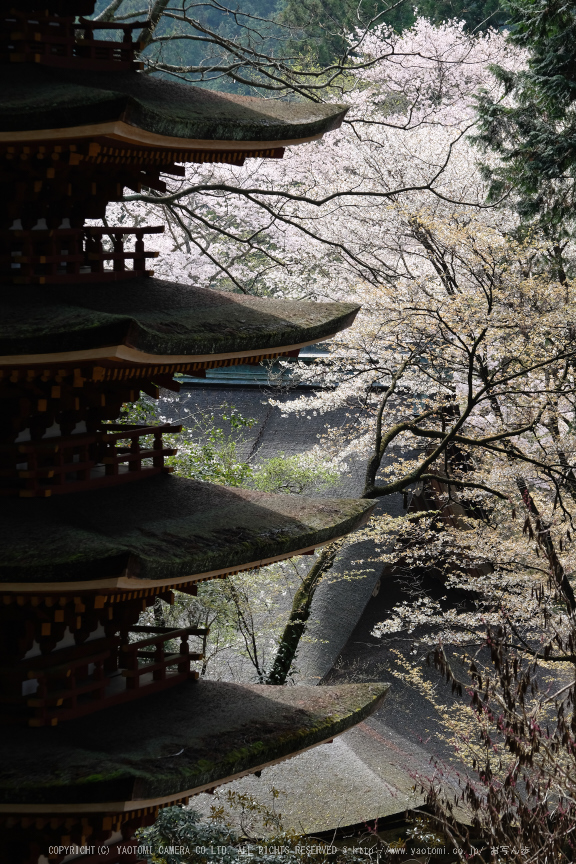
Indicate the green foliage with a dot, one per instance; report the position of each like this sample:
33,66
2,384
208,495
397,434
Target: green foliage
532,129
215,842
320,26
208,452
302,472
245,612
209,446
210,449
478,15
144,411
176,827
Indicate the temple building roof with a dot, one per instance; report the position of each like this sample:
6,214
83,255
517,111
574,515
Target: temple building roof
172,745
167,528
47,103
146,319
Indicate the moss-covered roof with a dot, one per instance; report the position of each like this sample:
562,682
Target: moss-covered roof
44,98
163,527
158,318
194,735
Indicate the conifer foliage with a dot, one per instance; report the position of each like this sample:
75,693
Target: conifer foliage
531,127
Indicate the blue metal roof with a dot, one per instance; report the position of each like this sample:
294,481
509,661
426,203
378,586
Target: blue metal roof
244,375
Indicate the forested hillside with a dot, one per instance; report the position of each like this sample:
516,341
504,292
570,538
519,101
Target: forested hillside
309,31
321,23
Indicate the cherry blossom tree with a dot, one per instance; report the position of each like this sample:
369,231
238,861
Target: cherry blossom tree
388,210
462,365
318,220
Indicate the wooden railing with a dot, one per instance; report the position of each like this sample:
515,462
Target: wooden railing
158,661
74,463
65,43
62,255
81,684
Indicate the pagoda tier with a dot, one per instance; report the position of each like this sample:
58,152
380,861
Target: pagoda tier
63,176
79,125
167,529
152,321
76,573
43,104
113,778
70,359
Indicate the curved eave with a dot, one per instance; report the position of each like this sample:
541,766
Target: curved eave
131,355
126,582
149,320
59,103
168,747
162,530
121,132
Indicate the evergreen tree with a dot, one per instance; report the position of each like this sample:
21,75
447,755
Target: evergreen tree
532,125
478,15
320,26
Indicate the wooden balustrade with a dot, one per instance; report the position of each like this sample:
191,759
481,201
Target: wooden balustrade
73,463
66,43
86,679
61,255
158,661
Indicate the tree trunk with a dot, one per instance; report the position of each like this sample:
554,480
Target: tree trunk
156,13
299,615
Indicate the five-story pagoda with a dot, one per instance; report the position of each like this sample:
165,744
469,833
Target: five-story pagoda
93,528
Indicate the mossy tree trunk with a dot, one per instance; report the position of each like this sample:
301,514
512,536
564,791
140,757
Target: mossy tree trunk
299,615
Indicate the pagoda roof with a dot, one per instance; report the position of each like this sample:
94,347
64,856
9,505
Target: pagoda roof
163,528
174,744
45,103
149,319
